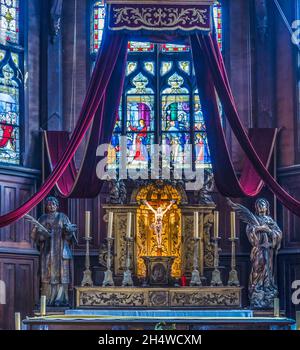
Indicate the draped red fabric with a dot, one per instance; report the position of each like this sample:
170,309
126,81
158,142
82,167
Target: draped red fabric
227,182
206,52
114,45
100,106
72,183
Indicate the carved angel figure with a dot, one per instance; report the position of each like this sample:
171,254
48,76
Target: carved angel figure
265,237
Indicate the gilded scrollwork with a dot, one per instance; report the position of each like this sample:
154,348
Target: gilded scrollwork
120,259
149,297
109,298
168,17
206,298
188,243
208,245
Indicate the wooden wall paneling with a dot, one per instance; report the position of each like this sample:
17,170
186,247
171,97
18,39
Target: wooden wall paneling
20,274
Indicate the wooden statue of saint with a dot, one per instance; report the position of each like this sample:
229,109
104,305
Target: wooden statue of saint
54,236
265,237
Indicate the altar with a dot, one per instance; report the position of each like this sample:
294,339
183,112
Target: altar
160,242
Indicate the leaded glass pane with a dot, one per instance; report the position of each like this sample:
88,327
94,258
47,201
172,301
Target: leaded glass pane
174,48
149,67
9,117
135,46
185,66
175,113
98,19
139,149
217,9
166,66
9,21
174,148
175,82
131,67
140,113
202,151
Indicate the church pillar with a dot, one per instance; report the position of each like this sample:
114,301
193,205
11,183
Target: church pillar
264,74
51,95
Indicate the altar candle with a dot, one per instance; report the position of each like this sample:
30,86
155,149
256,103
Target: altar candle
87,224
232,224
43,305
276,307
110,224
129,224
216,224
17,321
196,224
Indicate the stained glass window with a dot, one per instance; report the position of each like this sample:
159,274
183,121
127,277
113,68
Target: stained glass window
9,21
98,18
160,105
10,82
218,23
135,46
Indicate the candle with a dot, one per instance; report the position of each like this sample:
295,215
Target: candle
216,224
129,222
17,321
232,225
110,224
43,305
276,307
196,224
87,224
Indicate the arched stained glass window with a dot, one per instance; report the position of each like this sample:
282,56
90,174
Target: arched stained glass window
160,103
10,82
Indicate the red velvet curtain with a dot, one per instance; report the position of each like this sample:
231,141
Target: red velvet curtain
102,101
113,47
72,183
250,183
209,65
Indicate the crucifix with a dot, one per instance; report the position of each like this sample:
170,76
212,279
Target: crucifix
158,220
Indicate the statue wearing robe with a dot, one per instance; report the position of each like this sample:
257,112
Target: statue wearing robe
55,253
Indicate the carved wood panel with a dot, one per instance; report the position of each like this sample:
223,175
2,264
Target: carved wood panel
19,274
14,191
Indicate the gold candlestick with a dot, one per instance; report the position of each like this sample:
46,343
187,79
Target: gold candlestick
87,280
43,310
216,280
276,307
108,276
87,273
196,280
17,321
127,277
233,280
232,225
216,224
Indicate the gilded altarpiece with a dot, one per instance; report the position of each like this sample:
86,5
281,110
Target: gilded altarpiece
177,233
